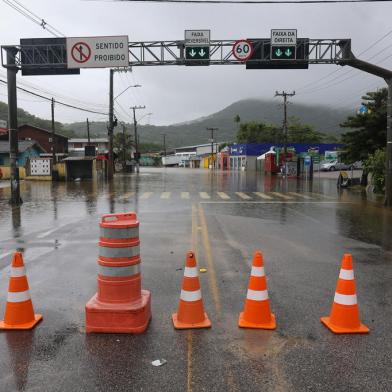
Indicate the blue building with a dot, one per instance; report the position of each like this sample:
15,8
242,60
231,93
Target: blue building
27,149
243,156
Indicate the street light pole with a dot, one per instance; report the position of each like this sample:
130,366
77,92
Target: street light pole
111,126
134,108
212,129
285,125
13,126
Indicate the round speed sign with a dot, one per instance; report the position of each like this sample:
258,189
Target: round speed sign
242,50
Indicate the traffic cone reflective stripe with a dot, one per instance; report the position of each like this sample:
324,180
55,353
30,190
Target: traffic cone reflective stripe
257,311
19,312
344,317
190,312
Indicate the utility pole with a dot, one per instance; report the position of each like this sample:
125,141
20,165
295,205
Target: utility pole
54,171
285,125
134,108
111,127
164,144
388,151
212,145
88,132
124,145
13,126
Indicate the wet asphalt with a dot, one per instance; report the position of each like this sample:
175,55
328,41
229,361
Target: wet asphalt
303,235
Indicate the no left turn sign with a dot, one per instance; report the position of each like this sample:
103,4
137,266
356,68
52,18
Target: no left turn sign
81,52
242,50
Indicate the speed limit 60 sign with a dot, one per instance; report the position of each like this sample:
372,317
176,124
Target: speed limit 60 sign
242,50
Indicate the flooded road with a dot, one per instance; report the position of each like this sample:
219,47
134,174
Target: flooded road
303,229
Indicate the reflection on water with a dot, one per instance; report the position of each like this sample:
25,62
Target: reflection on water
19,345
47,205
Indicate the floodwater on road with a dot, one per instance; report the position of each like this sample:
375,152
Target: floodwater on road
303,229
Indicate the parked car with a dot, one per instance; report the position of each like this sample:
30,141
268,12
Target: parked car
333,165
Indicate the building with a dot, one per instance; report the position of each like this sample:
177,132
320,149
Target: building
44,137
27,149
76,145
244,156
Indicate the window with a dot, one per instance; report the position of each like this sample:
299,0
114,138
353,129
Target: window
50,140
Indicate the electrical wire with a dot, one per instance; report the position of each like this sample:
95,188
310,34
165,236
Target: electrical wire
33,17
58,102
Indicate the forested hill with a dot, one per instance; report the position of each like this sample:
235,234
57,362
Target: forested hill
322,118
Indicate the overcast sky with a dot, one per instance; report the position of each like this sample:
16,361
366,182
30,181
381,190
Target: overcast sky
173,93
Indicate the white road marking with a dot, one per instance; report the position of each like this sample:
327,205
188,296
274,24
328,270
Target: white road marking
126,195
301,195
146,195
184,195
281,195
263,195
204,195
5,254
165,195
243,196
223,195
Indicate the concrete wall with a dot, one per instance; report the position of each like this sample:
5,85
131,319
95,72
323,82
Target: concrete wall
5,170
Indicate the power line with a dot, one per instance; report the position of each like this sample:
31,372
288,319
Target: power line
58,102
23,10
339,69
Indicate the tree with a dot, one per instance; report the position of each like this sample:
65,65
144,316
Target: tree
254,132
264,133
123,146
369,129
303,133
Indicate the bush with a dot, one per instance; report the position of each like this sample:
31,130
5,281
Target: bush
375,164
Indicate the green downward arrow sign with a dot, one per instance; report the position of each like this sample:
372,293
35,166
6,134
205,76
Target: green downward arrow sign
278,52
288,52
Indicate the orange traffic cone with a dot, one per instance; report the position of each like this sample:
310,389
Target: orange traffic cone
257,311
190,309
19,312
344,317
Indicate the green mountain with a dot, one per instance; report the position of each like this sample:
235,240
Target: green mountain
27,118
323,119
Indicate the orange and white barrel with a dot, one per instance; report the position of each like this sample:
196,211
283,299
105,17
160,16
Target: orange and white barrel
119,278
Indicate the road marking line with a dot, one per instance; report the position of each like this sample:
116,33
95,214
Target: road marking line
165,195
301,195
243,195
46,233
263,195
184,195
146,195
281,195
5,254
126,195
204,195
211,269
223,195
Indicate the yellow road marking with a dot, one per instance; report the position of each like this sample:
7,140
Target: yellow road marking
184,195
204,195
243,196
263,195
301,195
223,195
282,195
165,195
211,269
146,195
